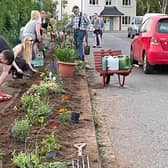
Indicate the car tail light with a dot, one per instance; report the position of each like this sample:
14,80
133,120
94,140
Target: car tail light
154,41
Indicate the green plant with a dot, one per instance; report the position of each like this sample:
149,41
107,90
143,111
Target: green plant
65,116
1,154
39,110
30,101
20,129
43,110
50,143
65,54
39,89
29,160
53,165
53,86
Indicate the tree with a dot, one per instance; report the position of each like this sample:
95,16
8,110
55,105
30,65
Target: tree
155,6
163,5
14,15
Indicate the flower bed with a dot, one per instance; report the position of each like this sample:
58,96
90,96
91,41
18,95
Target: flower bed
44,125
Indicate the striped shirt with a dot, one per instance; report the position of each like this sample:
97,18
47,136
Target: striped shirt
80,22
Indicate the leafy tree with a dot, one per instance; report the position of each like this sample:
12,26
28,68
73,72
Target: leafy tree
13,15
155,6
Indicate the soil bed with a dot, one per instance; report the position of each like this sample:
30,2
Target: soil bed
67,133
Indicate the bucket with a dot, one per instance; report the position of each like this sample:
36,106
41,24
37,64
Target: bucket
39,60
124,62
113,63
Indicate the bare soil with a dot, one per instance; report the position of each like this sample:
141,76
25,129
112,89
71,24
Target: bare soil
68,133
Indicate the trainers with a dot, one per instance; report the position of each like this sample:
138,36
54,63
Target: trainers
99,46
94,46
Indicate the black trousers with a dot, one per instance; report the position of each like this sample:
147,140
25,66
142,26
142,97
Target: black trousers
21,63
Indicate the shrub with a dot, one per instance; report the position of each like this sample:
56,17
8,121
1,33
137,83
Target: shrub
20,129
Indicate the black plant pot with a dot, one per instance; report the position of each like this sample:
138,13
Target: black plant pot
75,117
51,154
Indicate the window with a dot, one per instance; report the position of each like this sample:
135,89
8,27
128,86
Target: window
108,2
126,2
146,26
126,20
93,2
65,1
163,26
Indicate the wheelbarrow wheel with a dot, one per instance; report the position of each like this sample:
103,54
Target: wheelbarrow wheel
107,79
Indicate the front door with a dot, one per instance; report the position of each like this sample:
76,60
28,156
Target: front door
111,23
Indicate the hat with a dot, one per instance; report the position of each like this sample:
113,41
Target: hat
75,7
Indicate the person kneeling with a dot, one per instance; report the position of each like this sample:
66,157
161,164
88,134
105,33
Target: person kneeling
19,65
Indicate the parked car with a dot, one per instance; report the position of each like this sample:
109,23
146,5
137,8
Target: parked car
134,26
150,46
147,15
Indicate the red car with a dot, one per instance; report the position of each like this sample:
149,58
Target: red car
150,46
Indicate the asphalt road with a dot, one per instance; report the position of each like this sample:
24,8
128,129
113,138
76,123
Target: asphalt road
137,115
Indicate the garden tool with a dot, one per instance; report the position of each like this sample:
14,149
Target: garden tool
4,97
80,146
83,160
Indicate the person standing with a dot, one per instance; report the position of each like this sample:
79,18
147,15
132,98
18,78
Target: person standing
102,24
97,31
32,31
79,23
44,20
6,58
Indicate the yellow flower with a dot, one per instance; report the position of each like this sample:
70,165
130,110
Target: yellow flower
62,110
41,120
42,74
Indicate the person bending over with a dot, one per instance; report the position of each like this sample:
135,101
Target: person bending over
6,58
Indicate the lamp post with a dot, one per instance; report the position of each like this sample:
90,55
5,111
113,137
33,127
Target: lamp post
61,9
40,2
82,6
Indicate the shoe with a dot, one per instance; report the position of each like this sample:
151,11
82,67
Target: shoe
87,66
94,46
83,58
27,75
99,46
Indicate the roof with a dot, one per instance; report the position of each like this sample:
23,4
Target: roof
111,11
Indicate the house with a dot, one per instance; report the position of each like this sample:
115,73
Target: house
117,14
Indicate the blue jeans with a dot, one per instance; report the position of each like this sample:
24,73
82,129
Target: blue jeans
78,39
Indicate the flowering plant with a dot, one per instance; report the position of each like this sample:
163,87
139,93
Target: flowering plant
62,110
64,97
52,67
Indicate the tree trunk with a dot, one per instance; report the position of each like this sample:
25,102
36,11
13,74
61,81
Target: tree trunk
163,5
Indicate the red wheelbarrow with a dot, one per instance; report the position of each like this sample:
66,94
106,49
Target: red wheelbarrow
98,55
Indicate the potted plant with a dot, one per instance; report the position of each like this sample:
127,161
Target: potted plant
50,146
65,57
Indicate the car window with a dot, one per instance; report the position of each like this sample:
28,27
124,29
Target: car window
138,20
146,26
163,26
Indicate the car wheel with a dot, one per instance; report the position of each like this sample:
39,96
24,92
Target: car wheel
132,60
147,68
